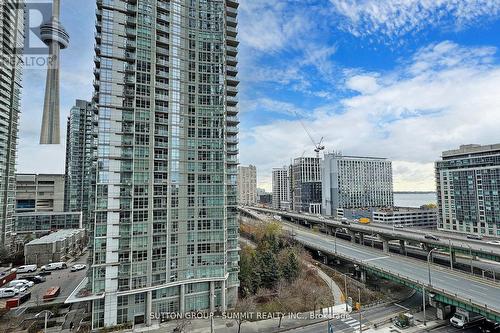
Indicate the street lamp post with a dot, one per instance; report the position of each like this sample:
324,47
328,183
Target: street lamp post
429,263
423,303
47,315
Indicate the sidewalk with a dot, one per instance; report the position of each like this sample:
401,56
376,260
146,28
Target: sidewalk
419,326
336,292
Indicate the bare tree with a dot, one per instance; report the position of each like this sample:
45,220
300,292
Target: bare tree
243,310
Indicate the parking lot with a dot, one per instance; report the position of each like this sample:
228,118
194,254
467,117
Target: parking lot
64,278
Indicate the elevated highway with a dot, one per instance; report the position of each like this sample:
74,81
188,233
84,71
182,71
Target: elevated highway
444,286
455,244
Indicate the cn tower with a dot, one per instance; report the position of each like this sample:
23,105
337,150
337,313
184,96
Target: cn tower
56,38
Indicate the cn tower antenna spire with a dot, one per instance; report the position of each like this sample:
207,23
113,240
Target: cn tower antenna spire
57,39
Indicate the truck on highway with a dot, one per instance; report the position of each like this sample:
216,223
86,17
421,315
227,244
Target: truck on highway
463,318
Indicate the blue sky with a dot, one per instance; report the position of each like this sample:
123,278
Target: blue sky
402,79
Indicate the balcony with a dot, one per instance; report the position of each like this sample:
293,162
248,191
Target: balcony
232,81
232,12
231,50
232,110
232,120
232,91
231,60
232,100
231,70
232,3
232,130
232,41
231,21
231,31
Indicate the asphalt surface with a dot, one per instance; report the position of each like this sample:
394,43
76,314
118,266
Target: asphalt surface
63,278
446,238
464,287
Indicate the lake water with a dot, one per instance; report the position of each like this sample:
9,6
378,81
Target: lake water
414,199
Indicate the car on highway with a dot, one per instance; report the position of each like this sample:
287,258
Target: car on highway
53,266
494,242
431,236
78,267
399,226
476,237
489,326
345,221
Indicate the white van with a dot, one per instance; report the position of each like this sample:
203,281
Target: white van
53,266
26,269
7,292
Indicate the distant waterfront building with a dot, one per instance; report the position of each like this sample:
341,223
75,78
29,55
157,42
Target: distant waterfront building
306,185
247,185
11,68
81,154
164,232
468,188
422,218
355,182
39,193
281,188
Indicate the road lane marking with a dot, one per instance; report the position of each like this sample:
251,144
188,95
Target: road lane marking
385,257
403,307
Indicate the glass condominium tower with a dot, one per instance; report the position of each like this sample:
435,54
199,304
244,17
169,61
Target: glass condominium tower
165,229
11,67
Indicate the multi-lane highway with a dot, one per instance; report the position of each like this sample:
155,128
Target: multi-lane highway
458,243
459,287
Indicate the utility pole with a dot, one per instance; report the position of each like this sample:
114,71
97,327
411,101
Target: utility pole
345,281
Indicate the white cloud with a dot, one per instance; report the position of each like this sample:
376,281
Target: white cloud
446,96
393,18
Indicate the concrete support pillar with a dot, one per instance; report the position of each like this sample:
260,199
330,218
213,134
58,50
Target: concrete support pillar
353,236
361,238
182,303
453,259
149,307
223,296
362,276
212,296
385,245
402,246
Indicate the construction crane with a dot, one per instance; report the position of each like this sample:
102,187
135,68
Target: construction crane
318,147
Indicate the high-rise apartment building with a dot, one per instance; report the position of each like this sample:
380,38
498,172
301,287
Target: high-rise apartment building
81,152
468,187
281,188
165,234
247,185
306,185
11,66
355,182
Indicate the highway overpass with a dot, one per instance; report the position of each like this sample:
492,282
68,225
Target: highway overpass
457,243
445,286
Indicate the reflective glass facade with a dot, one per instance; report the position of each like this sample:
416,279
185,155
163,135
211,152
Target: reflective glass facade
165,232
11,44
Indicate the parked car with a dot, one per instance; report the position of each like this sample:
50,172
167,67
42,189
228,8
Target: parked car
26,269
8,292
53,266
432,237
399,226
489,326
36,278
78,267
18,283
476,237
344,221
